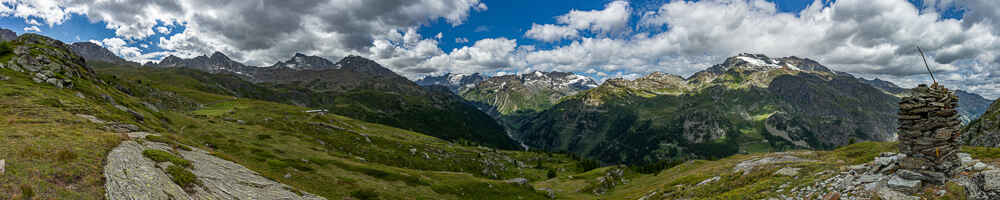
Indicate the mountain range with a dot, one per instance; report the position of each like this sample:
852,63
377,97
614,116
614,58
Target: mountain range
80,124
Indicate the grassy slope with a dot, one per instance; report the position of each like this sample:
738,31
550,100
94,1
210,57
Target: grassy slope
330,154
48,150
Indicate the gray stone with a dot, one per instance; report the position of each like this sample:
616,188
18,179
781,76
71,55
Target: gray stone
518,181
885,161
139,135
91,118
989,180
709,180
979,166
2,165
223,179
151,107
129,175
930,176
788,171
747,166
965,158
868,178
902,184
889,194
121,128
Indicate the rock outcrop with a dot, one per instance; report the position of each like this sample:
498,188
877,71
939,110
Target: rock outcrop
7,35
131,175
47,61
884,178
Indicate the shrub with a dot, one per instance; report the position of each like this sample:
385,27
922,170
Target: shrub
182,176
5,48
51,102
65,155
163,156
364,194
551,173
27,192
588,164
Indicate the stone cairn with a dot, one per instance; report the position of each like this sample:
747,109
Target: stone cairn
929,134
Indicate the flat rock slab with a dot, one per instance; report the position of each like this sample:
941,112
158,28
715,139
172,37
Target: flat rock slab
748,165
227,180
130,175
788,171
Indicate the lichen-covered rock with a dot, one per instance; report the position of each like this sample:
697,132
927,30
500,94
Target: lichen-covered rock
130,175
223,179
47,61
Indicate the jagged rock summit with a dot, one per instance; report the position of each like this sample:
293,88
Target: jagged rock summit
303,62
7,35
94,52
523,92
760,62
455,82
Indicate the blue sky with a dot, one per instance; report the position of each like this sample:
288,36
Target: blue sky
599,38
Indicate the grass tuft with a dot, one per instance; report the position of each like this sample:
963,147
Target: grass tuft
364,194
163,156
182,176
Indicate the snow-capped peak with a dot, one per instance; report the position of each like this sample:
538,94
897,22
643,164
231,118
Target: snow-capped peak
770,63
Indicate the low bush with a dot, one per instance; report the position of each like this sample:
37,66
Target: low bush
163,156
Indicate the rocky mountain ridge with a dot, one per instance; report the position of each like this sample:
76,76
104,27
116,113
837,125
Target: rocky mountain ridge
531,92
749,103
94,52
455,82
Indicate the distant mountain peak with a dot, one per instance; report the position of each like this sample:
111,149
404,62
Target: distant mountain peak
363,65
455,82
301,61
761,62
94,52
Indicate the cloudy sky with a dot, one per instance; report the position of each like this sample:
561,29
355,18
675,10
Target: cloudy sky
599,38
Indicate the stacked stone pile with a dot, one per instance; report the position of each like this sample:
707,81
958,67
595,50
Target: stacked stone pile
928,134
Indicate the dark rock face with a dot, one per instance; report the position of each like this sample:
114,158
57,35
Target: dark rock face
984,131
216,63
7,35
885,85
94,52
928,133
456,83
304,62
971,106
